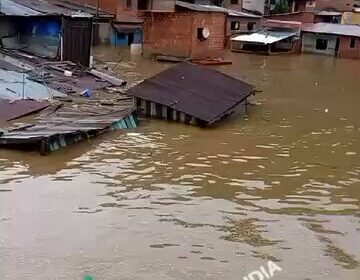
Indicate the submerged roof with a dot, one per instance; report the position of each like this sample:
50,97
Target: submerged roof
12,110
200,92
333,28
264,37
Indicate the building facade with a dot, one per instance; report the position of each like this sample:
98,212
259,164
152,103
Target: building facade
186,34
337,40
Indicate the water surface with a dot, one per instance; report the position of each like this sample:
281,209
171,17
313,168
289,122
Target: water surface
168,201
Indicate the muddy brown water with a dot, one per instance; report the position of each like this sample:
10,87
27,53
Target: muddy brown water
168,201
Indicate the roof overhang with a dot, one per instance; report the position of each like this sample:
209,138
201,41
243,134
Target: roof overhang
264,37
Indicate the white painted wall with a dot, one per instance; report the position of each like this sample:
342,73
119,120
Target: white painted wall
254,5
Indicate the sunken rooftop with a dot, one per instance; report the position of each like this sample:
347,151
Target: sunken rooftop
191,94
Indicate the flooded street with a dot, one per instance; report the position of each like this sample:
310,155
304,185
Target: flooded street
169,201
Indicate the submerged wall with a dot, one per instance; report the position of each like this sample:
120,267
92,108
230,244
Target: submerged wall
309,41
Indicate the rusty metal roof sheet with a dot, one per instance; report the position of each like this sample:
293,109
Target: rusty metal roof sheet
201,7
47,8
19,108
332,28
200,92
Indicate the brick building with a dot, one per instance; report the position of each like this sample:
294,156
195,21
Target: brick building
332,39
191,31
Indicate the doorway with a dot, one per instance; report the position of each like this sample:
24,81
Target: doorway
337,46
130,38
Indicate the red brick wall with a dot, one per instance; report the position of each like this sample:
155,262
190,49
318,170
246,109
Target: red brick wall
339,5
346,51
122,11
106,5
168,33
175,34
213,46
303,17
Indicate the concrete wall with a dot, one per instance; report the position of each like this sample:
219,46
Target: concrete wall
351,18
175,34
346,51
309,43
254,5
104,32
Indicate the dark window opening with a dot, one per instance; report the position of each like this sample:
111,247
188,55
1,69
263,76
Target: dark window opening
321,44
352,43
143,5
235,25
200,35
250,26
128,4
234,2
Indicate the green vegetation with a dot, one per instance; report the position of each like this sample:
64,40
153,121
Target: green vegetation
281,6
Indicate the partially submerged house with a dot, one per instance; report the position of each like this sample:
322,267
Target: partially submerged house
338,40
189,31
191,94
275,37
46,29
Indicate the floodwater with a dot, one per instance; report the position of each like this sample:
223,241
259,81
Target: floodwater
168,201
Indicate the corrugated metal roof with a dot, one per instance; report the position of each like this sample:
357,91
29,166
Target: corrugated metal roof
10,8
242,14
264,37
45,7
200,92
332,28
213,8
201,7
13,110
328,13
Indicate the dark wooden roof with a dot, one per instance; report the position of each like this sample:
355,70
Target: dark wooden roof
200,92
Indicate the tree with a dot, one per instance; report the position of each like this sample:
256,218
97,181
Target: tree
281,6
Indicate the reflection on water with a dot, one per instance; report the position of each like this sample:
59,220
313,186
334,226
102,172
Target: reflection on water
166,200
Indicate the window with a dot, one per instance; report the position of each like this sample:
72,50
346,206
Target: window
235,25
250,26
128,4
321,44
352,42
143,4
234,2
200,35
